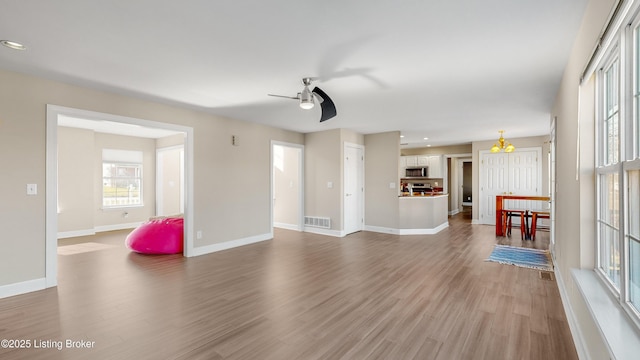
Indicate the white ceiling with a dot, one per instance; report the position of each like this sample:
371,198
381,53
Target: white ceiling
453,71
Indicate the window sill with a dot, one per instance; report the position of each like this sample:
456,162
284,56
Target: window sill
617,329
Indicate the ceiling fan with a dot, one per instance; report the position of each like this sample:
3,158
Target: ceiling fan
306,98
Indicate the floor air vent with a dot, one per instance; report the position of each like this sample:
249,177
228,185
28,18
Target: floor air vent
546,275
315,221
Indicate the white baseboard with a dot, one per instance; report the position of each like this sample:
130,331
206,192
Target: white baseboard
576,334
453,212
386,230
328,232
435,230
76,233
475,222
208,249
286,226
113,227
22,287
467,203
97,229
383,230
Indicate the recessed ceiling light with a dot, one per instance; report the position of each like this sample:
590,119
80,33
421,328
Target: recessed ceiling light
13,45
401,136
429,145
426,138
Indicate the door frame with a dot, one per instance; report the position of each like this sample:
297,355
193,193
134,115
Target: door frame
51,200
361,182
300,216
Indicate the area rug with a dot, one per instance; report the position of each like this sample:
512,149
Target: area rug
523,257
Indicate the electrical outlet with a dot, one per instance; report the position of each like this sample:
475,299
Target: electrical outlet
32,189
199,234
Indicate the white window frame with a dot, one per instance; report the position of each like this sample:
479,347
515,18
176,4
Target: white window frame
624,49
128,159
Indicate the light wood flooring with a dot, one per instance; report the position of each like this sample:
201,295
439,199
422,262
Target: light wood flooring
299,296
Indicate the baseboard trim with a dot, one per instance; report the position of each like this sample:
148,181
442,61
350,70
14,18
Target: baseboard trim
97,229
22,287
475,222
387,230
433,231
293,227
103,228
383,230
208,249
76,233
453,212
328,232
576,334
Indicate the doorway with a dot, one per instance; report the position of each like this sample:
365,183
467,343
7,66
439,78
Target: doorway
287,186
54,113
353,203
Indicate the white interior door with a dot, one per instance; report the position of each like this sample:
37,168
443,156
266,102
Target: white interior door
353,188
516,173
494,181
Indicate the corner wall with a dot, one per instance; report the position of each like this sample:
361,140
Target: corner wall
382,162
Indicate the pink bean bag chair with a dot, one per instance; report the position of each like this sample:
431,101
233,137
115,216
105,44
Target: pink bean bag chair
157,236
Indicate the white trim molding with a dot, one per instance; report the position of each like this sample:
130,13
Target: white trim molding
208,249
22,287
385,230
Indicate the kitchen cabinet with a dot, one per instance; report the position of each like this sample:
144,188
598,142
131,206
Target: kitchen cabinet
433,162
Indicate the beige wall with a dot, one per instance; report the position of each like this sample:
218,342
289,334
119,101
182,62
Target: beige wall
575,199
170,181
323,159
381,168
79,184
228,205
76,163
438,150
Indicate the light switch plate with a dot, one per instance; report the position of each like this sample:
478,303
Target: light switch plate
330,185
392,185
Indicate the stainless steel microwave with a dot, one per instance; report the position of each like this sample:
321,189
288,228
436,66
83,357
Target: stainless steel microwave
417,172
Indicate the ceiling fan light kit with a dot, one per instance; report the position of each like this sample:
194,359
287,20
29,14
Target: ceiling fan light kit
307,100
500,145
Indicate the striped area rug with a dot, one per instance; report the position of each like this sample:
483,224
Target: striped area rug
523,257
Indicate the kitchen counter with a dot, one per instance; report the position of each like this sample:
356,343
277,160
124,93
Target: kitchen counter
423,214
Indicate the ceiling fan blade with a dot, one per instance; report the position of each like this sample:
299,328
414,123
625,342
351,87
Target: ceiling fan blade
286,97
327,105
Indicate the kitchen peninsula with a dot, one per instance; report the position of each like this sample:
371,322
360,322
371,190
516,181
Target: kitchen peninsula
423,214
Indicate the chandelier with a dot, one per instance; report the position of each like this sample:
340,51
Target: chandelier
500,146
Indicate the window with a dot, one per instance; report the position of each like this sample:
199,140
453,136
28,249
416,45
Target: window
618,169
121,178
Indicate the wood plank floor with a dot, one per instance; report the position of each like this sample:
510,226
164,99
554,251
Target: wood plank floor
299,296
